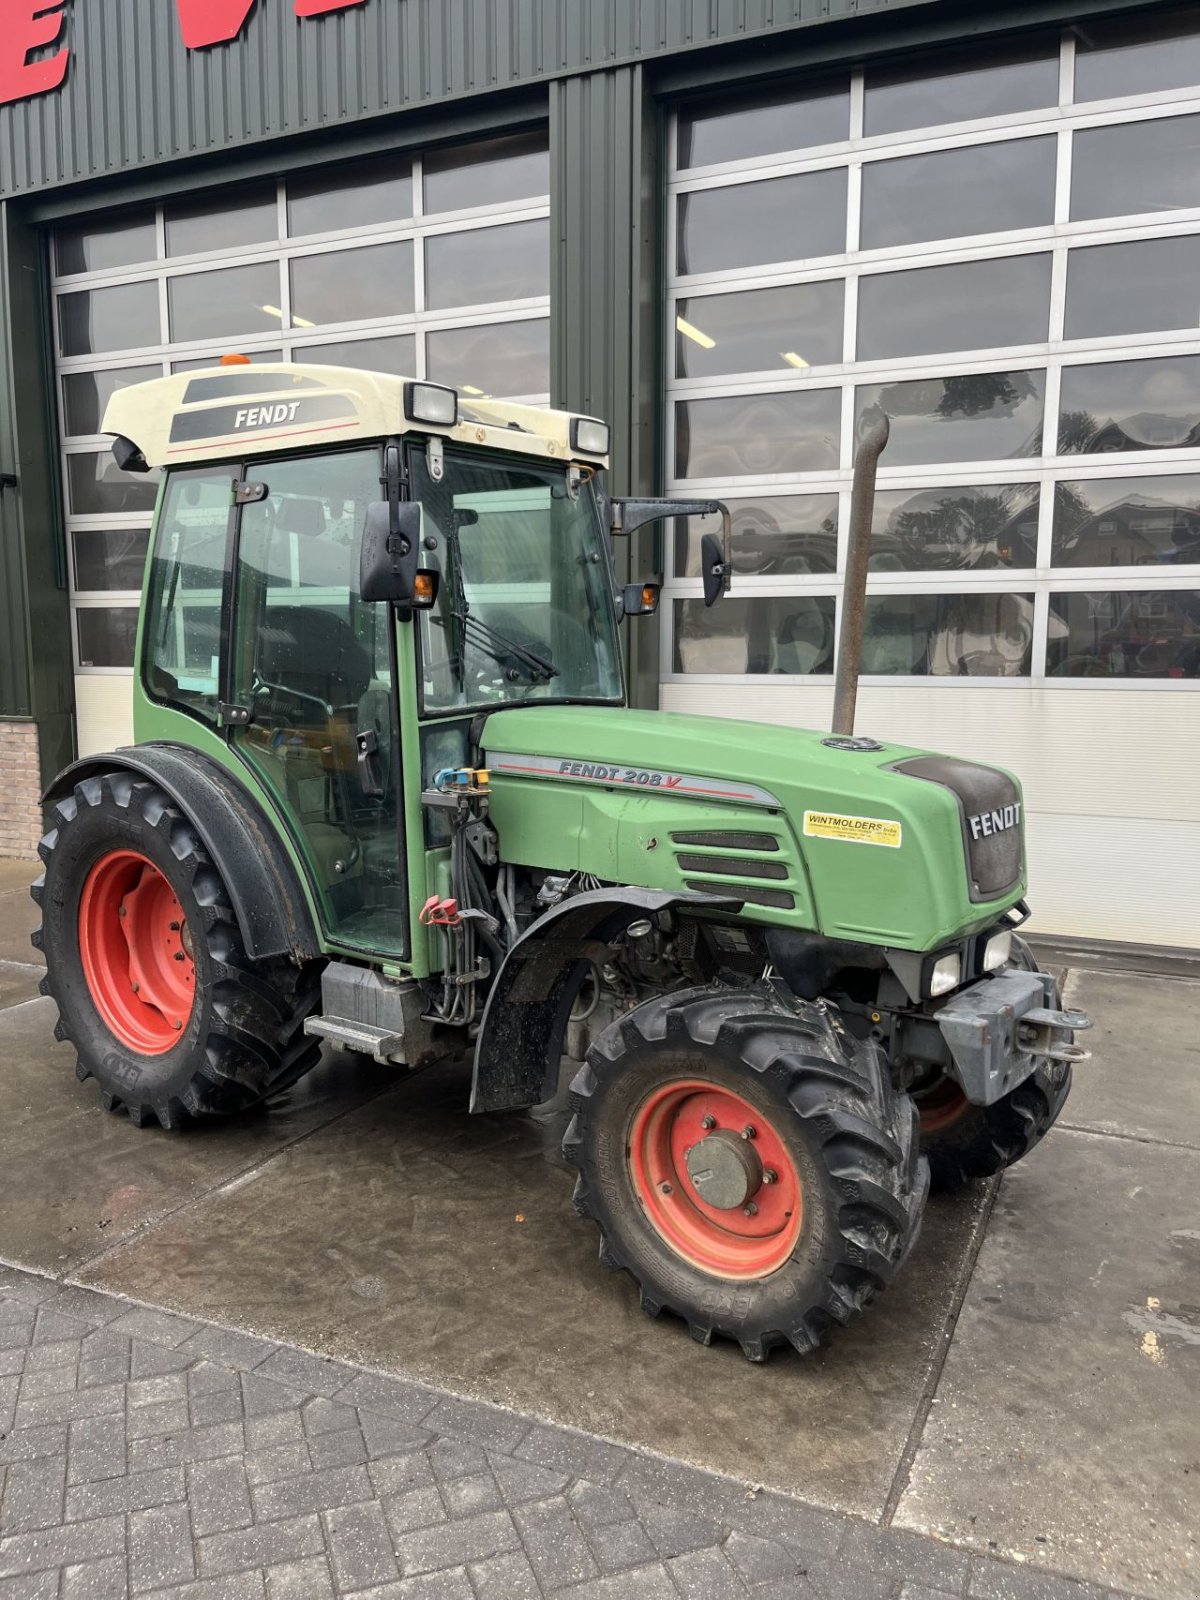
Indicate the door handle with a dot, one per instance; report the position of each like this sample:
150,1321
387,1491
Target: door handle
370,770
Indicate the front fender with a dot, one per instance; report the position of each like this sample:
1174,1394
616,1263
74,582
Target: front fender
520,1043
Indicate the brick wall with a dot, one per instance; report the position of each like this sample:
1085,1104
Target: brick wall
20,787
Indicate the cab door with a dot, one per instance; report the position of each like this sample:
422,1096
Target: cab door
311,674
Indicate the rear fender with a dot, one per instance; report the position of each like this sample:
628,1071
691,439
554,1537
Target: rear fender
272,910
520,1043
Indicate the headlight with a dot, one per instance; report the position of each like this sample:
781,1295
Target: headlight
431,402
589,436
946,974
997,952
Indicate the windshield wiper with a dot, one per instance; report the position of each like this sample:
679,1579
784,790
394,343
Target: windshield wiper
492,642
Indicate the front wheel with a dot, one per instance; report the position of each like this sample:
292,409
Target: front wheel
751,1166
146,962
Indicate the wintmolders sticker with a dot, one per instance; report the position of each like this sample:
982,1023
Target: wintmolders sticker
853,830
618,776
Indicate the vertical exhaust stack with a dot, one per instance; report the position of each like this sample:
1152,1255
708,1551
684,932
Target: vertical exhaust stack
873,435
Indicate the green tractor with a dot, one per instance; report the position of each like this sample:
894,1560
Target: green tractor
387,794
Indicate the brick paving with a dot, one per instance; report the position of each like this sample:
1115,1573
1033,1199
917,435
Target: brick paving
146,1454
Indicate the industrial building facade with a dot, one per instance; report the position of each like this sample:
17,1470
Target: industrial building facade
730,226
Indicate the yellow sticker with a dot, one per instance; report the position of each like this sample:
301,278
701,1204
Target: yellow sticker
857,830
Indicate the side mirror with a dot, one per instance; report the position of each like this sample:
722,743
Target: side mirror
715,568
391,547
640,599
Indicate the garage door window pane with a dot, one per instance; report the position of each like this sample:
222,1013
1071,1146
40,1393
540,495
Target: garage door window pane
985,188
96,486
1136,167
751,224
1130,405
120,318
511,358
787,329
949,635
978,305
353,285
227,302
764,126
981,416
249,216
955,529
793,635
500,170
1137,55
480,268
85,394
1139,634
960,88
350,197
1146,286
124,242
1127,522
110,558
775,534
397,356
751,435
106,636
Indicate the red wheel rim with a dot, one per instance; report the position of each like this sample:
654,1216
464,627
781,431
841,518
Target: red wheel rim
136,952
941,1106
749,1239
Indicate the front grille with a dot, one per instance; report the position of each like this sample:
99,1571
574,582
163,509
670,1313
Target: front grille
732,866
989,804
752,893
729,841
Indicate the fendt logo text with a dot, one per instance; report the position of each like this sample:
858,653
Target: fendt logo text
985,823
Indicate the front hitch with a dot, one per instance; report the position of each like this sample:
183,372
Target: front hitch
999,1030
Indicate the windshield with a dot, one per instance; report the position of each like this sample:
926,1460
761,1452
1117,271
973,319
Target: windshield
525,608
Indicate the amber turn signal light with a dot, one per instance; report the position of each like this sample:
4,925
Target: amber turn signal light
425,589
235,360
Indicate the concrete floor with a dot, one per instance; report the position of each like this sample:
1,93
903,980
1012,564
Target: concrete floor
1056,1420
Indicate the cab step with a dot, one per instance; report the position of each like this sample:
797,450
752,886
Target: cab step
382,1044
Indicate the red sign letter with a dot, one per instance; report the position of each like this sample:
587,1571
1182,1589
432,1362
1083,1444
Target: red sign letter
205,22
316,8
27,25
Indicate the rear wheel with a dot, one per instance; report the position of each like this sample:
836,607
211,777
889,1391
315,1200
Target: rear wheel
751,1167
146,962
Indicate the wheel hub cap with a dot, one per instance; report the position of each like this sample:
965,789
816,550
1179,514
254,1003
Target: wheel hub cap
725,1170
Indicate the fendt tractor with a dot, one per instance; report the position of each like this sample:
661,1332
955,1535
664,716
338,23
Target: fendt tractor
388,794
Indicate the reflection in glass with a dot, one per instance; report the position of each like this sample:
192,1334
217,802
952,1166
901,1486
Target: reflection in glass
1130,405
738,436
109,558
790,328
352,285
1145,286
510,358
487,174
373,191
1137,55
395,355
979,416
482,267
958,88
955,529
120,318
1127,522
1135,167
229,301
198,363
792,634
96,486
949,635
984,188
763,126
106,635
975,305
748,224
244,217
1132,634
85,394
771,534
123,242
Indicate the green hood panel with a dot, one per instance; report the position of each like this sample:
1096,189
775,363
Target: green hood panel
829,839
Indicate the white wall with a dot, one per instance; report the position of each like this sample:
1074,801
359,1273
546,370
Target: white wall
103,711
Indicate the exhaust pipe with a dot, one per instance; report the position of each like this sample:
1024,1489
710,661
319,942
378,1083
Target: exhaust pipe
873,435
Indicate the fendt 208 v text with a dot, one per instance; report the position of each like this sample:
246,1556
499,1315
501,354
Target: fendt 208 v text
387,793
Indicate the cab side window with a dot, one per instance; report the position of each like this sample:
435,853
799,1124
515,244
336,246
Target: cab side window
181,644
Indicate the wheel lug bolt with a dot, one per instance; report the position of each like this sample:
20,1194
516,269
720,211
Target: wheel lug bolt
665,1188
178,1027
179,955
137,988
770,1175
120,911
751,1210
708,1122
174,927
749,1131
